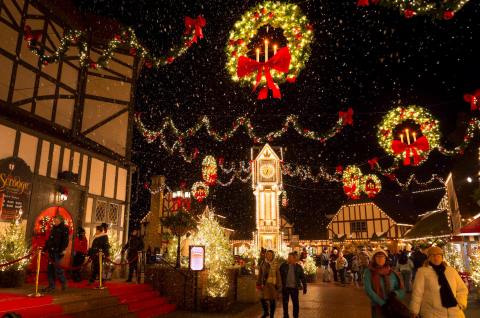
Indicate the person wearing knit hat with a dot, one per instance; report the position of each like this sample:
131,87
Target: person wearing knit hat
438,289
381,284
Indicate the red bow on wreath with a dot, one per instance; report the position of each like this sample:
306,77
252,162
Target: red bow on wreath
350,191
279,62
30,35
411,150
198,24
373,163
366,3
473,99
347,117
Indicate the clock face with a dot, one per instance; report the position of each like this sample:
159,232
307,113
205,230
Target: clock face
267,170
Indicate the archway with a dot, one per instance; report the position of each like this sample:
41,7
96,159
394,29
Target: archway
41,232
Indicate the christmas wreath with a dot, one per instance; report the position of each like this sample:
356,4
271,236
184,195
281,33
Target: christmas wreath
284,64
352,177
409,134
371,185
445,9
200,191
209,170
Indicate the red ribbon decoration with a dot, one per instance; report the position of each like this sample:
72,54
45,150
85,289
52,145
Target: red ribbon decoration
411,150
366,3
29,35
473,99
350,191
279,62
347,117
197,24
373,162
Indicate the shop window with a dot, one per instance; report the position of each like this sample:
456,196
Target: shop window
358,226
101,211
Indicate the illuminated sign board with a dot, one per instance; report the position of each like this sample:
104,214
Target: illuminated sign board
197,258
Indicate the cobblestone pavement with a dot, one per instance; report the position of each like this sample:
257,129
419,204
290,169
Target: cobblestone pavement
325,300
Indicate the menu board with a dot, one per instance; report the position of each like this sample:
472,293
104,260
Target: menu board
197,258
15,188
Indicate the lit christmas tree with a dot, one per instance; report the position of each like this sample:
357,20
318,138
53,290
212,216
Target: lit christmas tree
454,257
12,247
309,266
218,255
475,266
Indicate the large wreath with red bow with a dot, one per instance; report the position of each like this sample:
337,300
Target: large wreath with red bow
409,134
285,63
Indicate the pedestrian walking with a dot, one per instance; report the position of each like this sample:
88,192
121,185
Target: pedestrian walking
80,248
364,260
341,267
333,263
269,283
405,267
133,247
418,259
324,260
438,289
55,246
355,267
293,280
99,244
381,284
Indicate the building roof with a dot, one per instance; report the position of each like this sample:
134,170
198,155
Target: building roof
432,224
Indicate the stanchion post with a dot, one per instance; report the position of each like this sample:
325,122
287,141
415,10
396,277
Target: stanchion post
39,258
100,264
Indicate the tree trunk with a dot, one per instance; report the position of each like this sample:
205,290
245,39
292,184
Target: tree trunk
177,265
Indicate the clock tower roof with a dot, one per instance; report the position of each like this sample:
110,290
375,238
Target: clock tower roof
267,152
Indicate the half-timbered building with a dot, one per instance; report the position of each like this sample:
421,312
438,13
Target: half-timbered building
70,125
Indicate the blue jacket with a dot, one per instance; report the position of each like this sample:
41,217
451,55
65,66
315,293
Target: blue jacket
376,299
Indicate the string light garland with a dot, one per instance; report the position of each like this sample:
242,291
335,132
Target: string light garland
438,9
126,38
473,126
233,178
413,144
168,125
284,65
305,173
209,170
284,199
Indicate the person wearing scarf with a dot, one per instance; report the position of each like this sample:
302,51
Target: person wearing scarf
269,282
381,283
438,289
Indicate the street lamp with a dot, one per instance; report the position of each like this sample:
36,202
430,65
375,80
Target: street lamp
469,179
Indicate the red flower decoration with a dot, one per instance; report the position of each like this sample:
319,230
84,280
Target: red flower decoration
473,99
170,59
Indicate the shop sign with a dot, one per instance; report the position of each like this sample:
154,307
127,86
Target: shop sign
15,188
197,258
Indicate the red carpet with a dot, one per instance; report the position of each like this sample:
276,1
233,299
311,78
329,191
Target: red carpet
28,307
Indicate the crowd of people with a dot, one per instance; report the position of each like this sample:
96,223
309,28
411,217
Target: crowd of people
436,289
58,242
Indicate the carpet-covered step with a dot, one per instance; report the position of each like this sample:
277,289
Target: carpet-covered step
156,311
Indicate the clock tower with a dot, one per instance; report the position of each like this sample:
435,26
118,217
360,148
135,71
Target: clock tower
267,187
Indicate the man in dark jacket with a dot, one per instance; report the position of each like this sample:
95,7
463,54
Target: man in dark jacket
99,244
55,246
134,245
418,258
293,279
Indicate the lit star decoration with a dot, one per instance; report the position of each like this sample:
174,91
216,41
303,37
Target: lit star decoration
412,148
209,170
125,39
445,9
181,137
296,29
200,191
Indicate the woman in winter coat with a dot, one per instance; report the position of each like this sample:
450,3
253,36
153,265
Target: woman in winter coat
269,282
438,290
341,267
381,283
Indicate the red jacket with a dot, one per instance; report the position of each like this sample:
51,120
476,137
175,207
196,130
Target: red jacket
80,245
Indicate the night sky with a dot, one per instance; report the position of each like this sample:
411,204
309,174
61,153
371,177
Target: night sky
370,59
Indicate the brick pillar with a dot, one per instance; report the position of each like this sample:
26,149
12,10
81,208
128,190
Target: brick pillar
153,237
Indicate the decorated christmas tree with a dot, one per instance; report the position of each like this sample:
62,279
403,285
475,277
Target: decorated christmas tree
454,257
475,266
12,247
218,256
309,266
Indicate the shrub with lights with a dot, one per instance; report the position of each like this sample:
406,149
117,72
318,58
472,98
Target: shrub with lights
409,134
284,64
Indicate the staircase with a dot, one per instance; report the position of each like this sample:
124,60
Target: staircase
118,300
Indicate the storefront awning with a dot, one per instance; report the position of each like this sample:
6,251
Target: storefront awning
472,228
432,225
